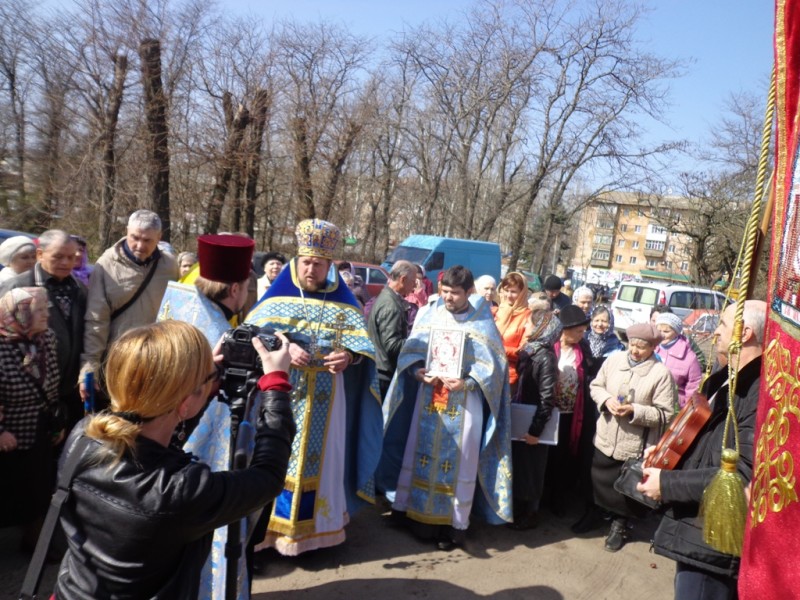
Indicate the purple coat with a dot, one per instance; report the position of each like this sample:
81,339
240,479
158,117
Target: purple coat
683,364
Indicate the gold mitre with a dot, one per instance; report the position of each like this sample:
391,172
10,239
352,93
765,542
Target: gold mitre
318,238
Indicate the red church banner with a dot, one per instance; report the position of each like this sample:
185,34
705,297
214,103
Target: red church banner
769,565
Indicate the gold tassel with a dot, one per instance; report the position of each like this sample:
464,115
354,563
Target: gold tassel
724,507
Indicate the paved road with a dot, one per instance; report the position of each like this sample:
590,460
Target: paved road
384,563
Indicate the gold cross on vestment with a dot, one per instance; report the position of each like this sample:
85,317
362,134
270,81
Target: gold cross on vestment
340,326
452,412
423,461
447,466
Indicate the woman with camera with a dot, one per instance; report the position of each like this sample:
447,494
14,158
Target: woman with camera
141,514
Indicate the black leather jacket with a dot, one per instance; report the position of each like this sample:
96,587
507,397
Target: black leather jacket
142,528
538,375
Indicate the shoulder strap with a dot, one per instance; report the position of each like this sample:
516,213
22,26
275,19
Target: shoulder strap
141,289
33,576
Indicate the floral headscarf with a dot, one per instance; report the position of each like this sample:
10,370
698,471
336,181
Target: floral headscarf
603,344
546,331
16,312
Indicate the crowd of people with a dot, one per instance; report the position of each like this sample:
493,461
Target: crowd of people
476,399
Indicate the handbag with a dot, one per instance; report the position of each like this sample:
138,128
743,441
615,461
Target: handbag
632,472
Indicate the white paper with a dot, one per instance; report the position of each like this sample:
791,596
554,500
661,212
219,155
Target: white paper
521,417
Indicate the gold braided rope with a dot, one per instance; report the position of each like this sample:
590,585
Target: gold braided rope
724,506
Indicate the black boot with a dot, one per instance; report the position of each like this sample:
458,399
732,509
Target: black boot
617,536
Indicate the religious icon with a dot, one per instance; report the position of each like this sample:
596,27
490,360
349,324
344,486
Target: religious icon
445,353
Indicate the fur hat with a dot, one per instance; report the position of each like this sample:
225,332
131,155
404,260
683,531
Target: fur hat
673,320
553,283
643,331
13,245
274,256
572,316
225,258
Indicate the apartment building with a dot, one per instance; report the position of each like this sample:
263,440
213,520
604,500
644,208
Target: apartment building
623,235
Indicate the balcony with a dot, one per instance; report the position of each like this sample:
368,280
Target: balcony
602,263
605,247
650,253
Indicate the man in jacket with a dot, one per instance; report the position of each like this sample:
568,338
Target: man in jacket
55,258
703,572
552,287
388,321
125,289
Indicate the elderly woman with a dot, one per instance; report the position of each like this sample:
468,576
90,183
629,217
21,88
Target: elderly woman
601,337
511,318
583,297
676,353
273,265
17,255
538,374
82,269
635,395
486,286
28,394
186,260
158,544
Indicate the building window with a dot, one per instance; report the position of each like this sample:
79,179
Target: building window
605,225
637,229
633,260
618,258
684,266
623,228
621,244
668,264
652,263
653,245
627,212
603,240
672,248
641,212
657,230
600,254
635,245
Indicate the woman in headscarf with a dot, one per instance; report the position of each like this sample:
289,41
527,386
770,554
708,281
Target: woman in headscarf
584,298
538,374
676,353
601,337
28,393
17,255
511,318
82,270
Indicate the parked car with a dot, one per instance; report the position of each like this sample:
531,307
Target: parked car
635,300
701,323
374,277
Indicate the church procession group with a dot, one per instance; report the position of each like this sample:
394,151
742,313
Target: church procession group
413,401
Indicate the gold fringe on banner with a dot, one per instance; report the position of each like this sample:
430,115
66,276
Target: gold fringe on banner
724,507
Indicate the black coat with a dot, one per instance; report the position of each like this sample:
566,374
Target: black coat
680,533
388,329
538,375
142,528
69,333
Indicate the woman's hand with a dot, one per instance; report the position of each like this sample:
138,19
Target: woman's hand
8,441
422,376
277,360
454,384
531,440
617,408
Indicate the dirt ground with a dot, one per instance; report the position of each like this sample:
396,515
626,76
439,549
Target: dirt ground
382,562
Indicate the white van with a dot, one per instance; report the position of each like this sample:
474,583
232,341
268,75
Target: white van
635,300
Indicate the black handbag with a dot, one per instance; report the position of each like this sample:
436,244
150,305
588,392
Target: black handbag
632,472
629,475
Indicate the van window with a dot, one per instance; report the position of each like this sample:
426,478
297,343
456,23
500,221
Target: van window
435,261
692,300
377,276
649,296
627,293
409,253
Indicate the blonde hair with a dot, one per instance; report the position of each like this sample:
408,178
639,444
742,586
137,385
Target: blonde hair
150,371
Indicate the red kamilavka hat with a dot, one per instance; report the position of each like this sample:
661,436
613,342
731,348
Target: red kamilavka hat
225,258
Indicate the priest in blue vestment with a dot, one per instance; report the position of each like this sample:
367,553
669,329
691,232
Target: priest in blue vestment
447,447
337,405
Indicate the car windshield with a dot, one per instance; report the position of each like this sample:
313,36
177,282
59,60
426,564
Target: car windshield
409,253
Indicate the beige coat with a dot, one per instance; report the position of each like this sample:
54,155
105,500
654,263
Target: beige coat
113,282
654,394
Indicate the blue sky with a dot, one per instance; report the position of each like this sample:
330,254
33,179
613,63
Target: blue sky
728,41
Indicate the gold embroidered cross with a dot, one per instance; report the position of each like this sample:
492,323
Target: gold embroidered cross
431,408
340,326
452,412
423,461
447,466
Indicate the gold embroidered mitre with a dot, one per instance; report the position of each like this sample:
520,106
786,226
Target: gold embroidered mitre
318,238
